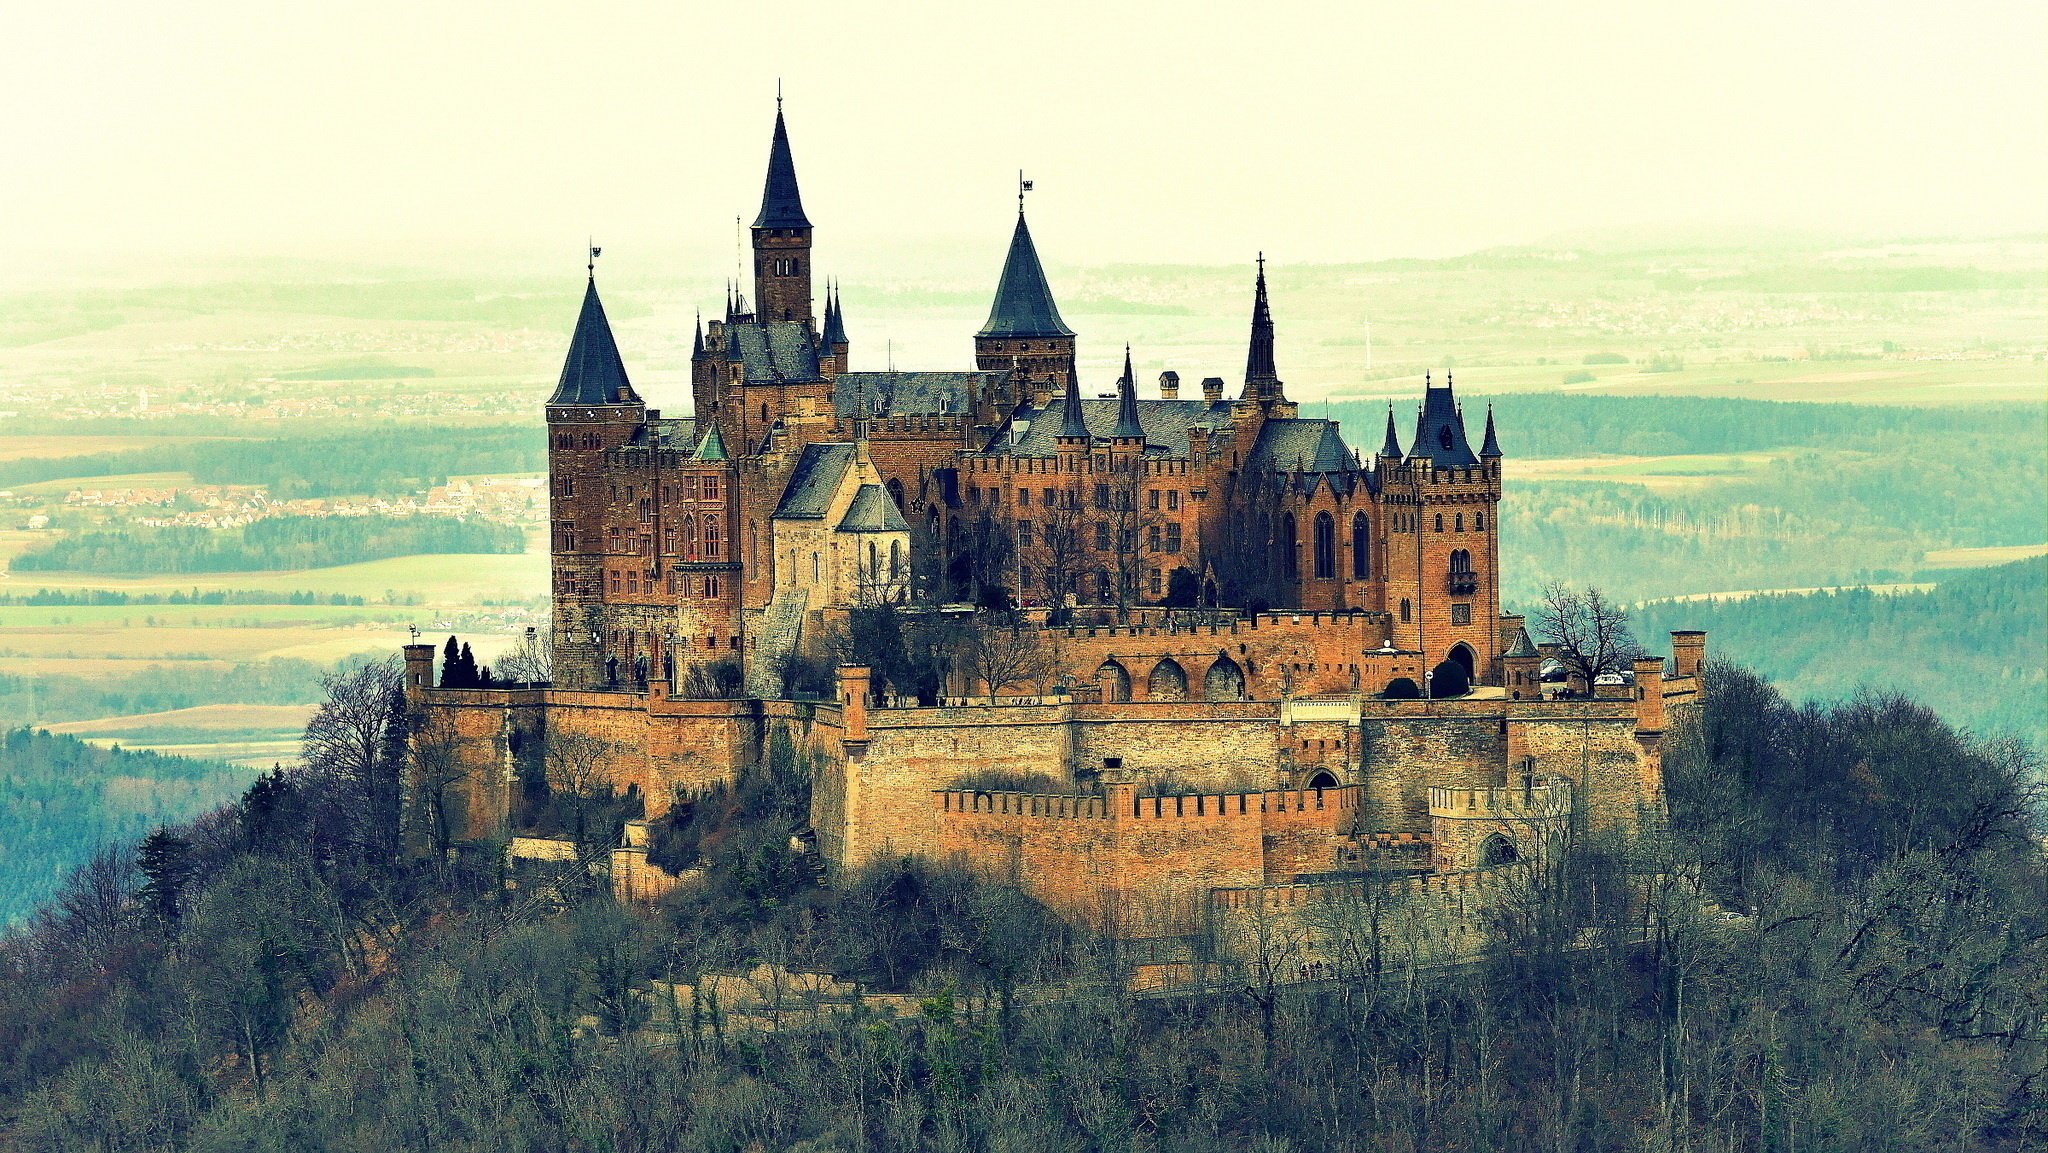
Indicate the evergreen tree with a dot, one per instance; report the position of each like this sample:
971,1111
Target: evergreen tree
165,859
451,666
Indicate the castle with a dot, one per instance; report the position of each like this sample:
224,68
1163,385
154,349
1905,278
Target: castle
1277,666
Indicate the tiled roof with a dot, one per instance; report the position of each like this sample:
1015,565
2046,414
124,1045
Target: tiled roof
817,475
872,511
780,350
1523,646
909,393
593,373
1166,424
1300,445
1023,305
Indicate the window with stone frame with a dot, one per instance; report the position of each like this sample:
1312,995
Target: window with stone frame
1461,614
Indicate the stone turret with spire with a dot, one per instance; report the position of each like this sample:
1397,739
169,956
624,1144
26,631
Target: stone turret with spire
1024,331
782,237
1261,377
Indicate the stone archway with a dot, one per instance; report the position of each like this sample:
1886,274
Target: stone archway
1496,851
1462,654
1167,682
1224,681
1323,779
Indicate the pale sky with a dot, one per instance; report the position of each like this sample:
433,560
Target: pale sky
1171,133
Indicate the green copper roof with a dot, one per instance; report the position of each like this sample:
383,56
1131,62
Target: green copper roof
712,447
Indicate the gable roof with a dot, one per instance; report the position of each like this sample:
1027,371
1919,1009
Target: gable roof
593,372
811,484
872,510
1023,304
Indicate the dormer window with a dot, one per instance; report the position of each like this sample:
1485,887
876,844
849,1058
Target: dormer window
1443,436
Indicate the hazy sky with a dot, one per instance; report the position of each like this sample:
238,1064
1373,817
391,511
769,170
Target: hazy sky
1181,132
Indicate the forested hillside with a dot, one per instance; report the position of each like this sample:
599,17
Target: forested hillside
278,542
1974,648
61,799
271,978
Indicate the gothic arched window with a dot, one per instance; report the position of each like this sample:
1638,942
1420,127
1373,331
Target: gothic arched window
711,542
1461,560
1290,562
1361,547
1326,547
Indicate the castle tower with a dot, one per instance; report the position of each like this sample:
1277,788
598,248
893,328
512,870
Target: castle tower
593,412
1024,332
1442,540
782,238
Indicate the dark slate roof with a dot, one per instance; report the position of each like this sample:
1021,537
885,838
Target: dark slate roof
1127,424
1023,305
1492,446
1440,430
835,320
1166,424
1392,447
1523,646
593,372
780,350
668,432
1258,364
817,476
1308,445
781,205
872,510
909,393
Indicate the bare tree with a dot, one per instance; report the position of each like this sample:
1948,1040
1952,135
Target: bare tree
436,767
579,768
988,555
1591,632
1004,652
532,660
355,743
1131,527
1063,545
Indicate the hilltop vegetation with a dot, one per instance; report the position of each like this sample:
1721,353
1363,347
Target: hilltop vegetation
61,800
279,542
270,978
1971,648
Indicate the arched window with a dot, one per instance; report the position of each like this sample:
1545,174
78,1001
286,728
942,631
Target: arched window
1460,522
895,560
1361,547
1404,610
1461,560
895,488
1115,682
1496,851
874,561
1290,563
690,538
1324,779
1326,547
1439,522
711,540
1478,522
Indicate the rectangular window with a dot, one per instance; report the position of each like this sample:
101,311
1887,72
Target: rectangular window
1172,499
1173,538
1151,498
618,584
1024,577
1102,536
1023,534
1101,496
1024,496
1155,583
1461,614
1048,498
1152,538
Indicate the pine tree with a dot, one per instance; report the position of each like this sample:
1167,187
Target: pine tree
451,666
468,667
165,859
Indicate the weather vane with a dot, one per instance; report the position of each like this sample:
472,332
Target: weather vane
590,265
1023,186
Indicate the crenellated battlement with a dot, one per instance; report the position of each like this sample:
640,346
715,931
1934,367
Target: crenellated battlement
1550,800
1122,803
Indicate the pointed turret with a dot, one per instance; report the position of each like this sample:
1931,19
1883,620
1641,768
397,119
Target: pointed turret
1128,426
1073,426
1440,430
1261,378
782,206
835,320
593,372
1024,306
712,447
1491,449
697,338
1392,447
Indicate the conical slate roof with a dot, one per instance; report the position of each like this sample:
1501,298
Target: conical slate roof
1523,646
835,320
1023,305
1128,426
1258,366
781,205
593,372
712,447
1440,429
1393,445
1492,446
1073,425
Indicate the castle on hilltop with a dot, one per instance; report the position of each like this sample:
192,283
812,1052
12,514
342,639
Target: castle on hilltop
1277,666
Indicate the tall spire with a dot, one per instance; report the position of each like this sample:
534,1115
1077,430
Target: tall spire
835,318
1492,446
593,373
1127,424
781,205
1073,426
697,336
1393,445
1023,304
1261,379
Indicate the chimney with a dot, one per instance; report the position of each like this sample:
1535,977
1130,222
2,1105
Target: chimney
1169,385
1212,388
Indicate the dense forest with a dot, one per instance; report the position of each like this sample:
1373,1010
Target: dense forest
1974,648
273,977
379,461
278,542
60,799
